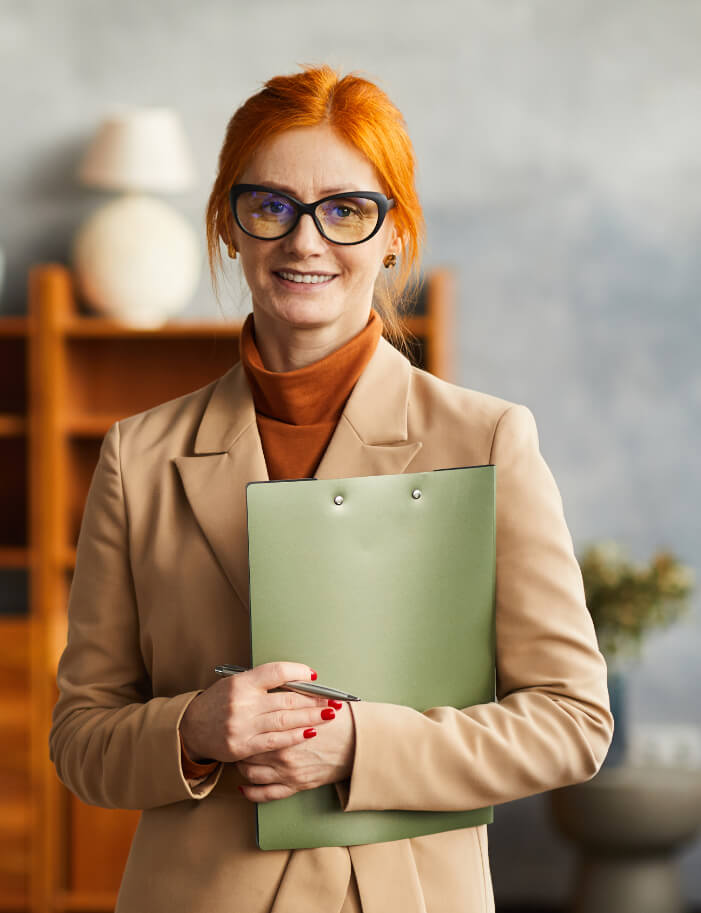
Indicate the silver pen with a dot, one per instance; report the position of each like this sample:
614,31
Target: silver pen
299,687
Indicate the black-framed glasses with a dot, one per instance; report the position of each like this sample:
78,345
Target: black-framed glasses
342,218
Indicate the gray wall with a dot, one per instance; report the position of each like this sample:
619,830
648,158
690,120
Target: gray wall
559,147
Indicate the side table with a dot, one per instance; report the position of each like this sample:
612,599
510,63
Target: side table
629,824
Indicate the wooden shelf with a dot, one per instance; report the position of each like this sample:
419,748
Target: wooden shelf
12,425
97,327
14,558
14,327
65,378
90,425
85,901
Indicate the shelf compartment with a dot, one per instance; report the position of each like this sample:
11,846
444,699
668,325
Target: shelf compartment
13,492
13,375
149,372
81,456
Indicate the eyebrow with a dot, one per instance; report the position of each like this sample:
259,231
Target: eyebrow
275,186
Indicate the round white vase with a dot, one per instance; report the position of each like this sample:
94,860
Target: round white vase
137,260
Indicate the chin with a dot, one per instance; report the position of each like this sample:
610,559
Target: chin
306,313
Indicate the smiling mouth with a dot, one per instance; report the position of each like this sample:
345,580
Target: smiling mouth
292,278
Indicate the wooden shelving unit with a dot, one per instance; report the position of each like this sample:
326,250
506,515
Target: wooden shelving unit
15,561
65,377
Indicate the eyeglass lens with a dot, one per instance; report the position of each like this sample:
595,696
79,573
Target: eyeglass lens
344,218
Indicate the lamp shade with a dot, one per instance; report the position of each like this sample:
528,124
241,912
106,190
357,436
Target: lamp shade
139,149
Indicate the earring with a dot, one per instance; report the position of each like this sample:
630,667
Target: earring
390,260
232,250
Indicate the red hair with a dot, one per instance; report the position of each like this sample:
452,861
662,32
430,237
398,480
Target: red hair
363,116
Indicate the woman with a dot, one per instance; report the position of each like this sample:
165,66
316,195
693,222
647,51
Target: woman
160,592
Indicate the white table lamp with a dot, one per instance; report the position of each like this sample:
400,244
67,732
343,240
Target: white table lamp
136,259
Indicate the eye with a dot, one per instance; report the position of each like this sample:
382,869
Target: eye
274,206
340,210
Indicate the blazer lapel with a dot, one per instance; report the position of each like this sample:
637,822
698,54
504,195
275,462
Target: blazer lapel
227,454
370,438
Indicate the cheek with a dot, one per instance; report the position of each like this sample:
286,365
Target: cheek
360,267
255,264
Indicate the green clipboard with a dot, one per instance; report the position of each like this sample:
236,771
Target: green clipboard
376,582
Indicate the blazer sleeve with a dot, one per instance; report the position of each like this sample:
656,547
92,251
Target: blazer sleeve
551,724
113,744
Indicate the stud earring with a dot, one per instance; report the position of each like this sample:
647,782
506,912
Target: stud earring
232,250
390,260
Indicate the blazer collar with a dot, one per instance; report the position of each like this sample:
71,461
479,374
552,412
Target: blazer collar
376,419
370,438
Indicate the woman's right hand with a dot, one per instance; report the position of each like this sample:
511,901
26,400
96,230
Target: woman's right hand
236,717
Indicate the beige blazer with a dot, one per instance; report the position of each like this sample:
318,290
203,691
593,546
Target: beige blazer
160,596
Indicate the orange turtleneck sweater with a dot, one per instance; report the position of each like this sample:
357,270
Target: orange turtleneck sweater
296,413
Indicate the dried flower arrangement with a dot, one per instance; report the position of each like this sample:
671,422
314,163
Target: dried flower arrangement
626,599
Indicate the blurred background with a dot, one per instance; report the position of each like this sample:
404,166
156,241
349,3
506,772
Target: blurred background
559,167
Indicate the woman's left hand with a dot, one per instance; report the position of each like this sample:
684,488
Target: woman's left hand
325,758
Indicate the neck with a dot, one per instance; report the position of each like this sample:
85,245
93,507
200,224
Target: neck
284,347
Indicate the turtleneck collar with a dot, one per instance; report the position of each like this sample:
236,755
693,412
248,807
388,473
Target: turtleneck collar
315,393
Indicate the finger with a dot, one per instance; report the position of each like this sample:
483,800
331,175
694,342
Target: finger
258,774
273,741
294,719
272,675
267,793
291,700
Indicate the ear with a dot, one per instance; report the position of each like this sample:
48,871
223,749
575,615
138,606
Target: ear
234,235
397,242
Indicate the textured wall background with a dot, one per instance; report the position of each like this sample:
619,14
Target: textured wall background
559,149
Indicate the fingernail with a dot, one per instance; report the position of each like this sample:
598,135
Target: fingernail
309,733
328,714
313,675
240,789
335,704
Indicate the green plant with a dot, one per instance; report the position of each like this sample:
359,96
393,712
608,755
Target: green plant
626,598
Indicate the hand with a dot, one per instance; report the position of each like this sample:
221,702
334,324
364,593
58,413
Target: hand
237,717
282,772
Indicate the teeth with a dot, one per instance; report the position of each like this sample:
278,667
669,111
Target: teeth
313,278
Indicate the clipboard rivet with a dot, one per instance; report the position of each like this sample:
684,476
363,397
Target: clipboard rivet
338,499
416,493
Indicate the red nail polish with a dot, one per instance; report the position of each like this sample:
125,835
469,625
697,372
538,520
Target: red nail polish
328,714
240,789
335,704
313,675
309,733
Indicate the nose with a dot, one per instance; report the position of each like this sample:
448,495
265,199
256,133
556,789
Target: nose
305,239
